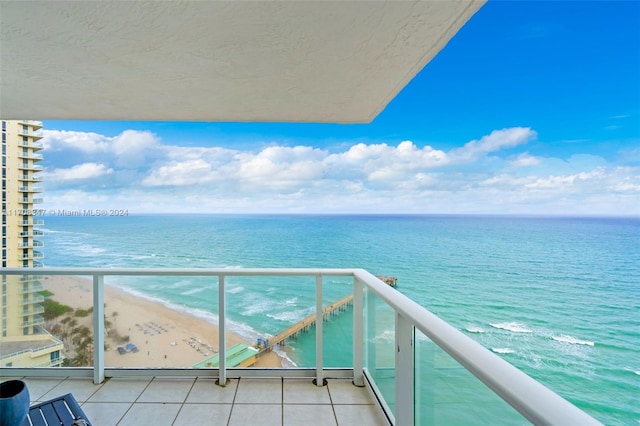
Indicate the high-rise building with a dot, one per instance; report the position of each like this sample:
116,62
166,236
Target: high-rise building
23,339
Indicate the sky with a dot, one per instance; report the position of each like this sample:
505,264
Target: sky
533,108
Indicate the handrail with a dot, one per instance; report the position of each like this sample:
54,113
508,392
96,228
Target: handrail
533,400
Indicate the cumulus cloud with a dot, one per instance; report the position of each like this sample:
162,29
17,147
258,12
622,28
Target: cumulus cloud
78,172
492,174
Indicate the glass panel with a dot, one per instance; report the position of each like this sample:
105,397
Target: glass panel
337,332
43,322
143,329
268,312
379,334
447,394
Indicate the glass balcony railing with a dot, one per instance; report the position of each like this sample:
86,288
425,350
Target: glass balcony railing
32,222
31,167
35,124
30,178
30,189
34,233
36,146
31,244
421,370
30,156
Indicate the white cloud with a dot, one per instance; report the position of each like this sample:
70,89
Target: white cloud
184,173
524,160
78,172
497,140
492,174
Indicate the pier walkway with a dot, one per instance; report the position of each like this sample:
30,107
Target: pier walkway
304,325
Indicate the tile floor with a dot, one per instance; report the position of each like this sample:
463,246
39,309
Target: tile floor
199,401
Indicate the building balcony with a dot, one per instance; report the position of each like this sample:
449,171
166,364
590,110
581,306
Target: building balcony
31,200
34,134
33,233
30,278
35,146
33,310
30,178
31,299
31,222
35,124
30,156
31,244
30,189
32,255
38,264
399,363
35,320
34,287
31,167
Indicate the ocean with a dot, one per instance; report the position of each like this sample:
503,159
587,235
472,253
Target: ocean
558,298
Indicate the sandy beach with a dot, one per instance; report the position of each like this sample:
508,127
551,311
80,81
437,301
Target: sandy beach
164,337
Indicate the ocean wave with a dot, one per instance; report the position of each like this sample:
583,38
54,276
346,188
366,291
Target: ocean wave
572,340
475,329
193,291
292,301
88,250
503,350
234,290
291,316
385,336
286,361
514,327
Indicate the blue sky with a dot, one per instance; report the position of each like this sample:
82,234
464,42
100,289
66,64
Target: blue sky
532,108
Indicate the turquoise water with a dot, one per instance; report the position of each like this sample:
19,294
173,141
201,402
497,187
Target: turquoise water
558,298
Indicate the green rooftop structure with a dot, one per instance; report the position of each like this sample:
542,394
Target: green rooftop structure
237,355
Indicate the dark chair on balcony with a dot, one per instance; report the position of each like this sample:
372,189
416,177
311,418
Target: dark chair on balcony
63,410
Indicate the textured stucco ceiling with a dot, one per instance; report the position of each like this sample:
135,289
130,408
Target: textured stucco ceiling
293,61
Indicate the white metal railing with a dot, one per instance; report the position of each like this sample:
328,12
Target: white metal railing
530,398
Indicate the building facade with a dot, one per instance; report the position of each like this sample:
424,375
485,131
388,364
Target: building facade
23,340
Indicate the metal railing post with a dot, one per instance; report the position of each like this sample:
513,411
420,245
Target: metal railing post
319,380
222,330
98,329
358,332
404,413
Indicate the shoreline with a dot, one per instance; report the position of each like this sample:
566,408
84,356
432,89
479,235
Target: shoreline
163,336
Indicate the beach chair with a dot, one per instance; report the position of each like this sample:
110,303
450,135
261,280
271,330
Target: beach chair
63,410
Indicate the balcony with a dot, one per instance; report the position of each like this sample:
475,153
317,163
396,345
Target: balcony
33,298
30,189
30,156
32,255
31,167
30,278
36,146
33,310
404,377
30,178
35,124
34,233
31,244
33,288
35,134
35,320
32,222
31,200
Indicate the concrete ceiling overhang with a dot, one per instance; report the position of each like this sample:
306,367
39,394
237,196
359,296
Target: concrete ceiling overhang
291,61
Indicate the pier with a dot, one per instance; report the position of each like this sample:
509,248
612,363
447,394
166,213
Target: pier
305,325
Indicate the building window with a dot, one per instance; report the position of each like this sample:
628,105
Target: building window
55,356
